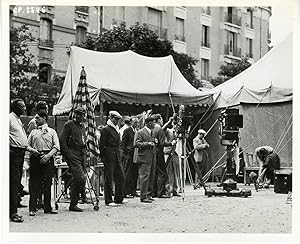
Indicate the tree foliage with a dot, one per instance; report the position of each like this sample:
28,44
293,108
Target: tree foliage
24,80
230,70
142,40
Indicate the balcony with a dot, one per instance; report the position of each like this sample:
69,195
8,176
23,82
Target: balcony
46,43
249,25
233,19
82,9
180,38
160,32
249,55
232,51
205,44
206,11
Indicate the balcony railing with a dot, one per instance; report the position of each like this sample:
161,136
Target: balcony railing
46,43
233,19
249,55
161,32
180,38
233,51
83,9
249,25
206,11
204,77
205,44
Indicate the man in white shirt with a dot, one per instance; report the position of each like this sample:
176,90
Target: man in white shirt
18,144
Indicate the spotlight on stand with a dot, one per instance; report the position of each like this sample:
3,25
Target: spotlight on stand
230,123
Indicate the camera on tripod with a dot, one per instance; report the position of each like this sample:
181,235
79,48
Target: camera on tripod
231,121
183,121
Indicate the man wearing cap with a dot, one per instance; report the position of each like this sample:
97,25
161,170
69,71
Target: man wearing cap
110,154
200,154
131,170
72,145
145,159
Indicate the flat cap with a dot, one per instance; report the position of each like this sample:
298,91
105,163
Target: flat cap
79,110
156,116
115,114
149,119
201,131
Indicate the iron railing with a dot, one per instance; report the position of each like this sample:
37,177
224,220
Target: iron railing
46,43
161,32
234,51
233,19
180,38
249,55
205,44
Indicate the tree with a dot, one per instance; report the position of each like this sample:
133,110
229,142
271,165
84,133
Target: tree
24,80
230,70
142,40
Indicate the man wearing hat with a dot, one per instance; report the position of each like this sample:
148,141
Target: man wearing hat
145,159
72,145
200,154
110,154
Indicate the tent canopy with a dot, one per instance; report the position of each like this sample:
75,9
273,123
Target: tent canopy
269,80
127,77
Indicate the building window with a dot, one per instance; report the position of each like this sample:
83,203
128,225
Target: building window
46,33
249,48
80,34
249,18
155,23
120,12
179,30
206,10
82,9
232,16
45,73
205,36
231,48
204,69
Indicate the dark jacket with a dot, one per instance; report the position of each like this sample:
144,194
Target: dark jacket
72,137
110,144
127,141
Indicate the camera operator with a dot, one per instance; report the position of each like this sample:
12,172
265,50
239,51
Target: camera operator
200,155
172,159
161,176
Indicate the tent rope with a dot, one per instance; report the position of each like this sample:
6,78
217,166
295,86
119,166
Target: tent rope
285,144
172,104
284,132
204,114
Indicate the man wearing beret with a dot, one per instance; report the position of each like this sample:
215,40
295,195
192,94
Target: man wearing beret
110,154
145,159
72,145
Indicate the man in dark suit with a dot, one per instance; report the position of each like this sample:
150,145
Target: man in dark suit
110,154
131,169
145,159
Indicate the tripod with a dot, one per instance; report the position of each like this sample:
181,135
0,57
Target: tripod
90,187
184,167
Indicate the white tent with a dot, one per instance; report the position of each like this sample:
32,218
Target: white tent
127,77
263,93
269,80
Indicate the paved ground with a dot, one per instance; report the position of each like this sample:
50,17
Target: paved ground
263,212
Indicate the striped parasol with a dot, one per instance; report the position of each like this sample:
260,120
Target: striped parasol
82,99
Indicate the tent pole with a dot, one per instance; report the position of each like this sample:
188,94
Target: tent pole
101,110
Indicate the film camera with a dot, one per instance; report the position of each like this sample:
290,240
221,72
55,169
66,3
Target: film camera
183,121
231,121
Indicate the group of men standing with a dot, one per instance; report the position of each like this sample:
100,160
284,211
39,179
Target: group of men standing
136,155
